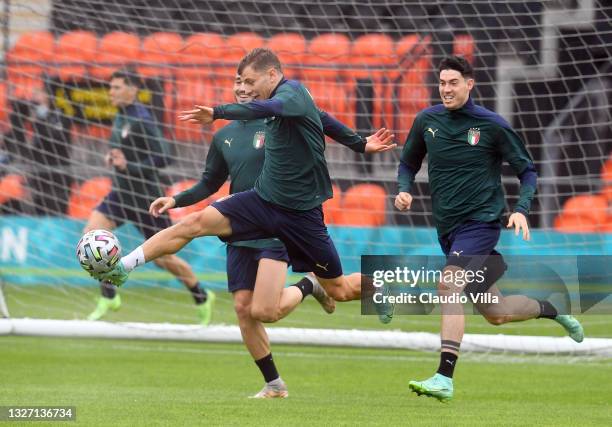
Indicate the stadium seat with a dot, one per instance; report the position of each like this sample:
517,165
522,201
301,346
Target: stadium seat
27,60
606,172
413,95
575,224
74,52
323,74
363,205
3,108
87,196
200,56
115,50
373,57
332,208
593,208
179,213
465,46
291,50
190,92
11,188
159,53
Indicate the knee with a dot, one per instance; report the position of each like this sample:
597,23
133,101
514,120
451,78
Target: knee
243,311
338,294
265,315
191,225
497,319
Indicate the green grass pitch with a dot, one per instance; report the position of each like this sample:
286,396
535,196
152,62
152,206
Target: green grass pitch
121,382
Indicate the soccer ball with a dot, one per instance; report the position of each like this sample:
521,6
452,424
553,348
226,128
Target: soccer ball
98,251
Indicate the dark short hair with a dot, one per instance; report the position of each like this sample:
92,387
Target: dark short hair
260,59
457,63
130,77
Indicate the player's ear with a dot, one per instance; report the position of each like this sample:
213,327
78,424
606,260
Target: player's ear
470,83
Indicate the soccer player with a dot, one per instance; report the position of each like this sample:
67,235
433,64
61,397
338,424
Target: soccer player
137,151
257,269
465,146
287,197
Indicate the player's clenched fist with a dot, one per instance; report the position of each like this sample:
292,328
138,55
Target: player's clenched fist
161,205
403,201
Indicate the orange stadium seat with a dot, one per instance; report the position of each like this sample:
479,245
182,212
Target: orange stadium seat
291,50
11,188
3,107
179,213
575,224
373,57
465,46
87,196
323,74
606,172
200,56
27,60
190,92
364,205
592,207
74,52
158,54
413,95
115,50
332,208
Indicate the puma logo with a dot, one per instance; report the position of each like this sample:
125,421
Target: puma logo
228,141
433,132
450,362
322,267
458,253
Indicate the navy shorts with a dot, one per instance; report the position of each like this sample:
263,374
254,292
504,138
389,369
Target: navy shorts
471,246
148,225
304,233
243,262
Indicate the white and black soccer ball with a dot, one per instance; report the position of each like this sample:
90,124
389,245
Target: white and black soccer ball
98,251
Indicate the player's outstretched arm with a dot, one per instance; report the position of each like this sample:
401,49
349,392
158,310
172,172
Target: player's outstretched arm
200,114
519,222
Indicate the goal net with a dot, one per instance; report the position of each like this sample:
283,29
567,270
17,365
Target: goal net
542,65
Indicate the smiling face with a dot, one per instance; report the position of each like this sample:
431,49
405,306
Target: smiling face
259,84
240,93
454,89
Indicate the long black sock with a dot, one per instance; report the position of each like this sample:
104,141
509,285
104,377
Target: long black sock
305,286
547,310
447,363
199,294
267,367
108,290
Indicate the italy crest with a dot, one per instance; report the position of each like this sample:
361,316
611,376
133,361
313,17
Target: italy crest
473,136
259,139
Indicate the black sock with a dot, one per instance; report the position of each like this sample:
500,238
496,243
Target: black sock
199,294
267,368
447,364
108,290
305,286
547,310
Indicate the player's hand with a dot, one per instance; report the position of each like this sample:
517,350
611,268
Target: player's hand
118,159
519,222
403,201
201,114
380,142
108,159
161,205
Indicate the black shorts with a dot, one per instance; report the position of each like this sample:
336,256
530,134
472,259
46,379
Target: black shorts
243,262
148,225
304,233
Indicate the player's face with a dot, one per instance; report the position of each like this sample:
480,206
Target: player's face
454,89
121,94
240,93
259,84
